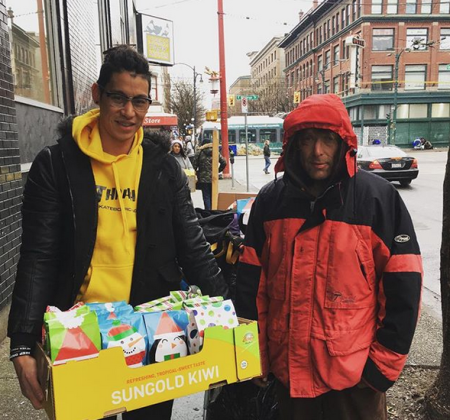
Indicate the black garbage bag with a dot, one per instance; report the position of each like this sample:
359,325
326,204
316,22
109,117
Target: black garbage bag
241,401
221,229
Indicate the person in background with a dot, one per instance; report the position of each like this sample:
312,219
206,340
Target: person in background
266,153
178,153
203,166
189,147
331,268
92,221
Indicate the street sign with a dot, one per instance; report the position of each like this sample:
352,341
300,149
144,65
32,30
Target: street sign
244,105
448,66
249,97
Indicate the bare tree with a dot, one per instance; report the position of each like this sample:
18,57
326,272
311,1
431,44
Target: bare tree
182,102
438,396
273,99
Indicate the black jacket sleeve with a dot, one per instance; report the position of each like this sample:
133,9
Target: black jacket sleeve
38,264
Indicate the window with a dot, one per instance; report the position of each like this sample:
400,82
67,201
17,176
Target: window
337,22
343,18
440,110
336,52
411,7
154,88
267,134
383,40
377,7
333,25
319,63
418,111
327,87
444,76
426,7
392,6
415,76
354,10
251,136
382,78
347,14
444,7
445,39
417,39
327,59
336,84
32,53
370,112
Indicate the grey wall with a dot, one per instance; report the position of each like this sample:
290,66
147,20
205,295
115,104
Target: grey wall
37,129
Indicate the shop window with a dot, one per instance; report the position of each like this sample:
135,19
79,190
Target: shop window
382,78
440,110
403,112
418,111
32,55
383,39
370,112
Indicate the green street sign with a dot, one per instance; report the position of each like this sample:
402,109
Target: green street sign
249,97
448,66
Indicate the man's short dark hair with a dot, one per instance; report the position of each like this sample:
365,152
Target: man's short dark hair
123,58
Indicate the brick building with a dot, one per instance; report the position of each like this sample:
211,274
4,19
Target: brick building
404,59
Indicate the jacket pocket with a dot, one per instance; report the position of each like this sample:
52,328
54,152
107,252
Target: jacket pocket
342,343
170,272
351,280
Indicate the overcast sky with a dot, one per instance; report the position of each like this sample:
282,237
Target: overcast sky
248,24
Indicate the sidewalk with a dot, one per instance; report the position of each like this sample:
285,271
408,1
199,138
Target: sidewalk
425,355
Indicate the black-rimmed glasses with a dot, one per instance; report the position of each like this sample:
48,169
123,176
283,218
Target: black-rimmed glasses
119,100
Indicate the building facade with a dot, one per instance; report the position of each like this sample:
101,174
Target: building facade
375,55
268,80
242,86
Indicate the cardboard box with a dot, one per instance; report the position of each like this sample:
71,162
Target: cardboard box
104,386
227,198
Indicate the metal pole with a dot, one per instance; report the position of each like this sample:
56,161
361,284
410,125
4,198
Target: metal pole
223,92
394,112
246,153
195,109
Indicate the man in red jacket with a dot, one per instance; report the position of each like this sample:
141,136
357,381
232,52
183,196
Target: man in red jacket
332,271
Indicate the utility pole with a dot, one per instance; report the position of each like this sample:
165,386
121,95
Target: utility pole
223,92
394,111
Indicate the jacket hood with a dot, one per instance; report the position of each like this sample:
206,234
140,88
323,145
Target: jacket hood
325,112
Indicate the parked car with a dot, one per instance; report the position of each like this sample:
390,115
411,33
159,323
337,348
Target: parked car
389,162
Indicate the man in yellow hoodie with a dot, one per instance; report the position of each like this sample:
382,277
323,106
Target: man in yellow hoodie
107,216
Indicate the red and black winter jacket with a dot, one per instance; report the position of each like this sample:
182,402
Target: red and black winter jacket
334,282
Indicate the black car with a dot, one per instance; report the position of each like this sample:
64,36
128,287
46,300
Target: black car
389,162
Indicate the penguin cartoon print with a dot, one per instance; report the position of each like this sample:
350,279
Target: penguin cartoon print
131,341
170,341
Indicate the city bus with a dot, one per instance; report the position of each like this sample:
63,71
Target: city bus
260,128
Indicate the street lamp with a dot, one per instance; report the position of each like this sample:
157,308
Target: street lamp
195,95
393,130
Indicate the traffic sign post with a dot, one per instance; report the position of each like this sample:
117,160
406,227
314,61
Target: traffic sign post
244,105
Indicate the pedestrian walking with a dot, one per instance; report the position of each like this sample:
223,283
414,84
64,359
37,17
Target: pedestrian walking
331,268
203,166
266,152
92,220
189,148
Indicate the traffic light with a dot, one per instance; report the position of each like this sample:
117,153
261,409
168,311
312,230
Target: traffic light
211,115
296,97
231,100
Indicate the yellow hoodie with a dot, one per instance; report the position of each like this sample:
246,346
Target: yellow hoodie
117,180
